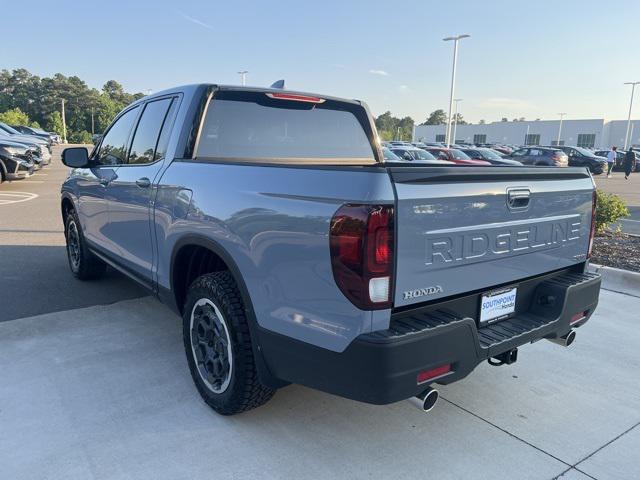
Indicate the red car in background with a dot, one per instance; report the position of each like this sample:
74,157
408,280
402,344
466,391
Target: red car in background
454,155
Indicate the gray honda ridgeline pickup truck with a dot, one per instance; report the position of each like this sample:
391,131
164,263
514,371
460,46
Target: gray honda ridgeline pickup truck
270,222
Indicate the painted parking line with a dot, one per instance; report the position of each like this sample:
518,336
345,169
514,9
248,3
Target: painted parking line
31,181
7,198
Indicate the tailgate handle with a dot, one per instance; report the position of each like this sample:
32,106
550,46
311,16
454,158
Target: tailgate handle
518,198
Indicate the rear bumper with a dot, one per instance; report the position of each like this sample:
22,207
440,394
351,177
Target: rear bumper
382,367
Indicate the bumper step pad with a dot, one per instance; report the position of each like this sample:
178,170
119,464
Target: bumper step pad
524,327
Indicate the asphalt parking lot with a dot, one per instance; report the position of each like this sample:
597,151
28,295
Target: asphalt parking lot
33,261
94,385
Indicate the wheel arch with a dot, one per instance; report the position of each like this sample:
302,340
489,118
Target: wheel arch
190,247
66,205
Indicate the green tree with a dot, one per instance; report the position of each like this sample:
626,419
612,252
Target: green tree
437,117
15,116
460,120
482,122
393,128
54,123
81,137
40,99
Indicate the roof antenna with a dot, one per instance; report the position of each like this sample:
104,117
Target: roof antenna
278,84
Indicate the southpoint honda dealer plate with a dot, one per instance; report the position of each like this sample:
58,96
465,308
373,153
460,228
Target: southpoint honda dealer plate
497,305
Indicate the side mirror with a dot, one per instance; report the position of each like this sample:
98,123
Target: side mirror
75,157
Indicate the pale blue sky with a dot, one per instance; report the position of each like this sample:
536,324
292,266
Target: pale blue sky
530,59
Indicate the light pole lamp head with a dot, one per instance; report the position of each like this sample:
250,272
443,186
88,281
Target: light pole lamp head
457,37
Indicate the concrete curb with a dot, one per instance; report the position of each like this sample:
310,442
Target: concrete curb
618,280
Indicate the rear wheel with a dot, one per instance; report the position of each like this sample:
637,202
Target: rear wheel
218,346
83,264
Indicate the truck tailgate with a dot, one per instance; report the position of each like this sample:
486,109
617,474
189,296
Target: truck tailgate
469,229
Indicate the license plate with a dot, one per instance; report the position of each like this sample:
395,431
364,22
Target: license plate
497,305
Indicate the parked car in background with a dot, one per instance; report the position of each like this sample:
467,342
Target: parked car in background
13,135
389,156
413,154
503,149
540,156
620,154
15,161
393,159
583,157
454,155
53,137
41,154
490,156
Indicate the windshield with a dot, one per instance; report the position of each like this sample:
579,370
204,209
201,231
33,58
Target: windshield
459,155
490,155
389,155
420,154
584,151
9,129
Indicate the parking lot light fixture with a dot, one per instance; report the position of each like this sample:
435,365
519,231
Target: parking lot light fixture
243,77
455,40
562,114
633,89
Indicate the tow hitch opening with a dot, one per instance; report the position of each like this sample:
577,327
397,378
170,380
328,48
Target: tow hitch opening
505,358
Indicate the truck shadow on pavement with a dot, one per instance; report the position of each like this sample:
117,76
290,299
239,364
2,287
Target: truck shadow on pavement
36,280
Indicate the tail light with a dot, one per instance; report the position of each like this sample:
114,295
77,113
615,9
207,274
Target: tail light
362,254
592,232
295,97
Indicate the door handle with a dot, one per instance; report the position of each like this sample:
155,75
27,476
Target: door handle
518,198
143,182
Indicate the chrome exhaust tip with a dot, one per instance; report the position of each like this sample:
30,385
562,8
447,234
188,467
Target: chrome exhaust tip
564,340
426,400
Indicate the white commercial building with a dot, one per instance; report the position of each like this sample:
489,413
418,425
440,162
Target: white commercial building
596,133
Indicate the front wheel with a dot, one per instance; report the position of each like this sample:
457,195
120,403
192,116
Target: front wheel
83,264
218,346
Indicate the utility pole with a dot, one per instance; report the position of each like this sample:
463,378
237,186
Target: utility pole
243,76
633,88
93,128
64,124
560,128
455,40
398,134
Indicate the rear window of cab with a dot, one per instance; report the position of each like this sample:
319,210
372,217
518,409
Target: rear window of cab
254,126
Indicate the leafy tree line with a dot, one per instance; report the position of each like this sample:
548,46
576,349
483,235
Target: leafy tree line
28,99
393,128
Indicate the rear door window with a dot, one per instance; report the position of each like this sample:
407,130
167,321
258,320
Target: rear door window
145,140
251,126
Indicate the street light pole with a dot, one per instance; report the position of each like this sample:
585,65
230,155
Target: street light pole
455,119
92,122
243,76
560,128
633,88
455,39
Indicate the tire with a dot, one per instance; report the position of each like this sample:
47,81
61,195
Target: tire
84,265
218,346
